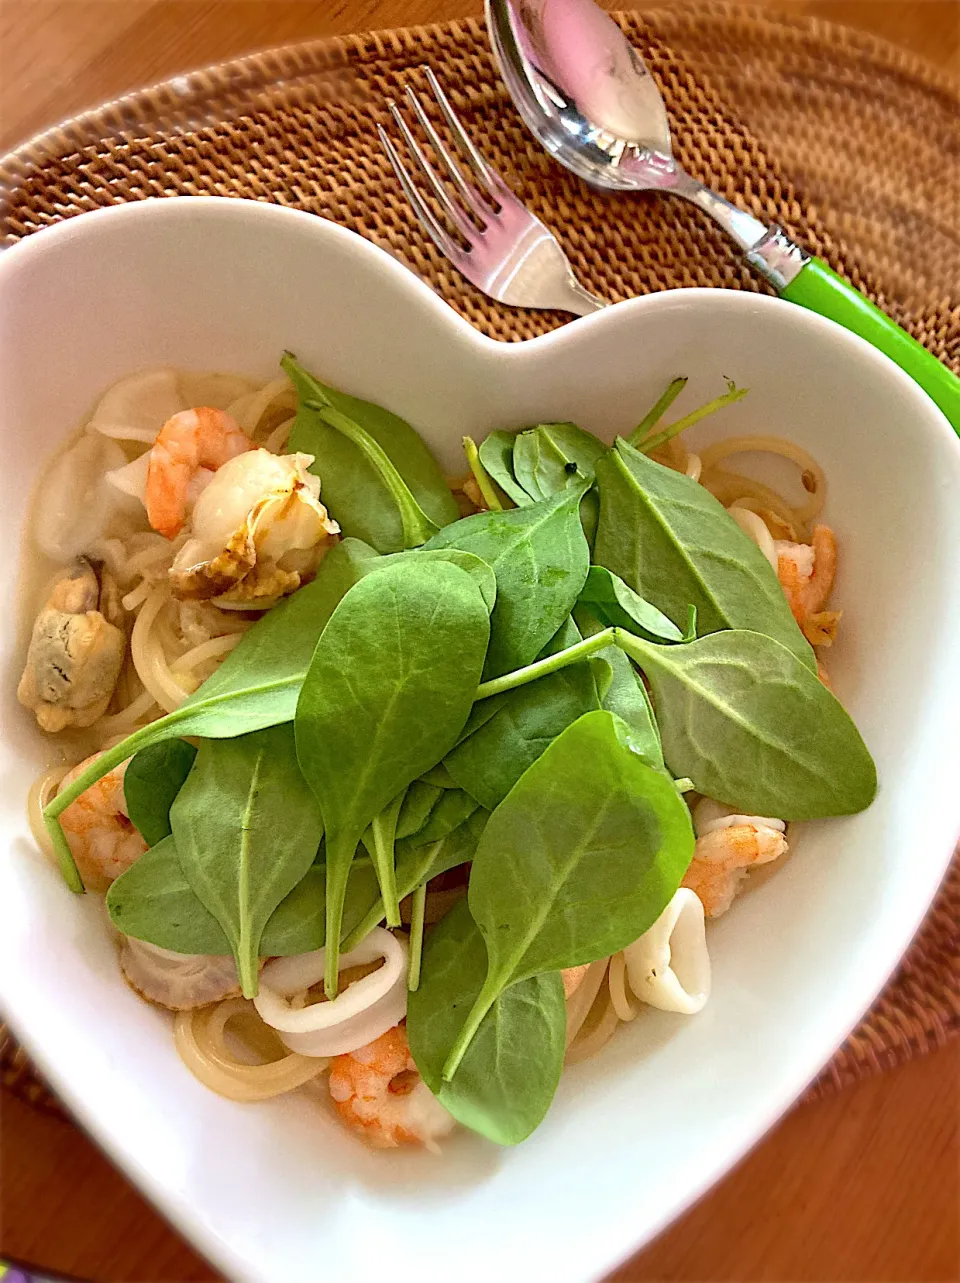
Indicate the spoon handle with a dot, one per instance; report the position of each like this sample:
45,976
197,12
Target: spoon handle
809,282
821,290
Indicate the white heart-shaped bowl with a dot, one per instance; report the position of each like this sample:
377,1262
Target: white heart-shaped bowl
278,1191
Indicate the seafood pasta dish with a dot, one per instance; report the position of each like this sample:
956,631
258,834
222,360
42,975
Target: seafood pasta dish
409,790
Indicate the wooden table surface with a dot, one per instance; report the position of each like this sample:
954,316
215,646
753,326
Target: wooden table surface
864,1186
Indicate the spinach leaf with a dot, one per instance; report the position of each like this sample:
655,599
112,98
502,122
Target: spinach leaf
297,924
477,569
418,912
579,859
658,410
153,901
650,443
614,602
749,723
538,554
380,840
510,1072
626,695
258,683
439,775
675,544
454,807
496,455
490,761
590,516
390,685
420,799
418,863
360,472
152,780
485,483
247,829
550,456
480,714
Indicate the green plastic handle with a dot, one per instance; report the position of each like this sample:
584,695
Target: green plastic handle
821,290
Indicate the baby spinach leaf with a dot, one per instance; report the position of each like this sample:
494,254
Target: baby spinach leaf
390,685
675,544
451,810
496,455
418,904
749,723
614,602
590,516
153,901
510,1072
439,775
380,839
550,456
485,483
152,780
478,570
732,394
579,859
491,760
538,554
360,471
418,802
416,864
247,829
258,683
626,696
480,714
543,667
298,923
658,410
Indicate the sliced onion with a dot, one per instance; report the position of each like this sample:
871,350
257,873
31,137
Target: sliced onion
74,507
131,478
361,1013
137,407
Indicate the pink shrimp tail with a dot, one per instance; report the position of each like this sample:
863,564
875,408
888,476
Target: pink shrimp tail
200,438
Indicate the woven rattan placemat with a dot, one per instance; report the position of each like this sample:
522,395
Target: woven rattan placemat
849,144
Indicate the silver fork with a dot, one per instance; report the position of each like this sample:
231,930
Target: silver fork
505,251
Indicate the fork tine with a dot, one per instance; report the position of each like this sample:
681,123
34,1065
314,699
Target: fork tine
440,237
470,194
495,184
453,211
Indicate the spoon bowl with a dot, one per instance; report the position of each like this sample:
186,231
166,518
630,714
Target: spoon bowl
590,99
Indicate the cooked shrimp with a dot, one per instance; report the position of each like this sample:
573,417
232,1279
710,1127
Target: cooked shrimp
723,857
188,450
76,650
378,1091
572,978
256,530
98,829
806,573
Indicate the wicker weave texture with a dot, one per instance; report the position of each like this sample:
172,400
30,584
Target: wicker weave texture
801,123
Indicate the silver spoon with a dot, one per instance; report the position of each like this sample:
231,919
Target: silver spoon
589,98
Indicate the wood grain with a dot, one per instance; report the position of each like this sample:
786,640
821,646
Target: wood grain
861,1188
